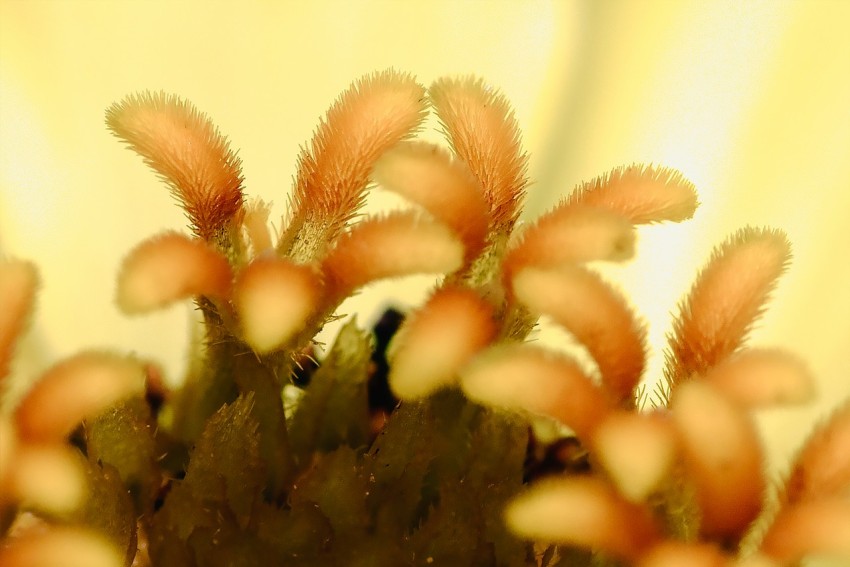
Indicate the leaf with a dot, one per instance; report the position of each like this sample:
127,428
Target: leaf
227,546
336,483
123,436
109,508
465,525
397,464
299,532
225,464
334,410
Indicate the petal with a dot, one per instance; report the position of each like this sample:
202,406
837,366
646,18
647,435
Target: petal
583,512
18,283
437,340
78,387
48,478
187,150
170,267
596,315
820,527
480,126
399,244
428,176
823,466
761,377
274,299
538,381
569,234
61,547
727,297
375,113
641,193
636,450
678,554
723,458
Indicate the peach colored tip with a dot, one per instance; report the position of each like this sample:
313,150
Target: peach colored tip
569,234
722,456
61,547
274,298
636,450
395,245
48,478
536,380
584,512
819,527
170,267
76,388
596,315
680,554
763,377
437,340
428,176
641,193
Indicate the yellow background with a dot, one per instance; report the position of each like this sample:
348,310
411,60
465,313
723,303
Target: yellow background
751,100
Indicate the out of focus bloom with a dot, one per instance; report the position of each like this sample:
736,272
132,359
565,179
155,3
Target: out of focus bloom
421,443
